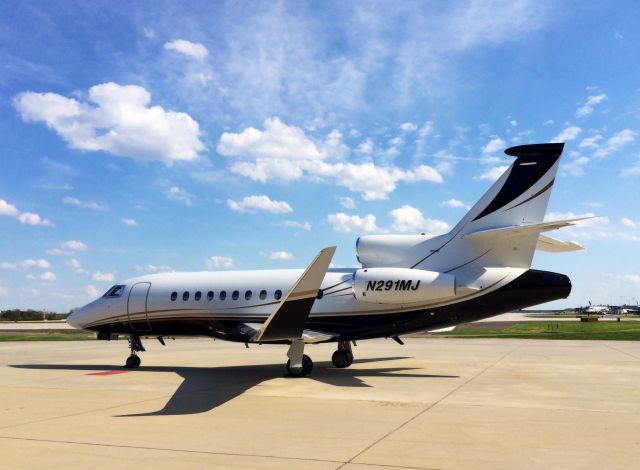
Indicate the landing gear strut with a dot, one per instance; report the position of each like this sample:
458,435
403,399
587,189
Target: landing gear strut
133,361
343,356
299,364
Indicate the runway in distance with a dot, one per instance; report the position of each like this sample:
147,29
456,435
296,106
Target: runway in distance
407,283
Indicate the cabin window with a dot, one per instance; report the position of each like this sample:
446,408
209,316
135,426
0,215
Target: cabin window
277,294
174,296
210,295
247,295
185,295
198,295
263,294
235,295
223,294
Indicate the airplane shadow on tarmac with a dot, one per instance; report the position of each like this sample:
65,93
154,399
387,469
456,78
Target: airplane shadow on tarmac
205,388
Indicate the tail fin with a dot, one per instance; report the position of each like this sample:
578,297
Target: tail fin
518,198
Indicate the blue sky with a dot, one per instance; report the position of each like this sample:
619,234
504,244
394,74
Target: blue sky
157,136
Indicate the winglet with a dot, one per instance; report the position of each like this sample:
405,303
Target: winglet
288,319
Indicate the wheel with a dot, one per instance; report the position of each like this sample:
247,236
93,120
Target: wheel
341,359
307,367
132,362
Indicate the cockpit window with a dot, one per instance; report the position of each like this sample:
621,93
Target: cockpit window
115,291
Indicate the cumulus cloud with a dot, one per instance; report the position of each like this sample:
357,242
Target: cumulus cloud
496,144
342,222
347,203
365,147
92,291
220,262
283,152
587,108
152,268
454,204
575,166
26,218
47,276
493,173
294,224
92,205
590,142
68,248
616,142
115,119
277,140
259,203
408,127
570,133
39,263
628,222
281,255
74,264
129,222
103,277
410,219
180,195
190,49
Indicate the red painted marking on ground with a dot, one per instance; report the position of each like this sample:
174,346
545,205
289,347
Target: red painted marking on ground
109,372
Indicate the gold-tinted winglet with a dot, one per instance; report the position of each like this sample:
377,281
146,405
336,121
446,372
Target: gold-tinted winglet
288,319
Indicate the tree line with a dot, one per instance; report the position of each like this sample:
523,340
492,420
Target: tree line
31,315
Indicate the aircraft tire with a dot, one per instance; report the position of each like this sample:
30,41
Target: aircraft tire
132,362
341,359
307,367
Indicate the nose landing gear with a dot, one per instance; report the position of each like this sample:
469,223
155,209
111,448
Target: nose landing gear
135,344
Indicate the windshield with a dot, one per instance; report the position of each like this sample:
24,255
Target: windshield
115,291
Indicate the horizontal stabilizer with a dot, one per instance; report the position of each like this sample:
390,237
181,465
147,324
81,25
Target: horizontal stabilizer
553,245
526,229
288,319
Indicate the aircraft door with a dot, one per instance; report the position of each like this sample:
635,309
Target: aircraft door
137,306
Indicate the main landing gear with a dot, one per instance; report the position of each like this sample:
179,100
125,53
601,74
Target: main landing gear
133,361
343,356
301,365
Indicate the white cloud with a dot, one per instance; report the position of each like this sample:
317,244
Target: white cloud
129,222
410,219
454,204
342,222
191,49
74,264
293,224
408,127
151,268
595,227
587,108
496,144
115,119
347,203
103,277
92,291
47,276
281,255
265,169
180,195
26,218
632,170
575,166
74,245
570,133
513,122
628,222
493,174
590,142
220,262
8,209
95,206
277,140
614,143
259,203
365,147
26,264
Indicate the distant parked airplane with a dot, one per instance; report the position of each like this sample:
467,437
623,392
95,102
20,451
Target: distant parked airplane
407,283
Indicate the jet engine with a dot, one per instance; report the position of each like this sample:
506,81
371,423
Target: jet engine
401,285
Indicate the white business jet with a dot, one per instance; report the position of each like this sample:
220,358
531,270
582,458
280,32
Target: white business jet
407,283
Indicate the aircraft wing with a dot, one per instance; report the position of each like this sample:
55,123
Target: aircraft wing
288,319
553,245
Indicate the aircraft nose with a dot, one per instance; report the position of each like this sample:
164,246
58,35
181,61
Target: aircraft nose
75,319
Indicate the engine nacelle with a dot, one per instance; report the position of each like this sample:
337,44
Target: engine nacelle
402,285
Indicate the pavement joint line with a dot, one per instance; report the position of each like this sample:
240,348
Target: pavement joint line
622,352
431,406
567,410
165,449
